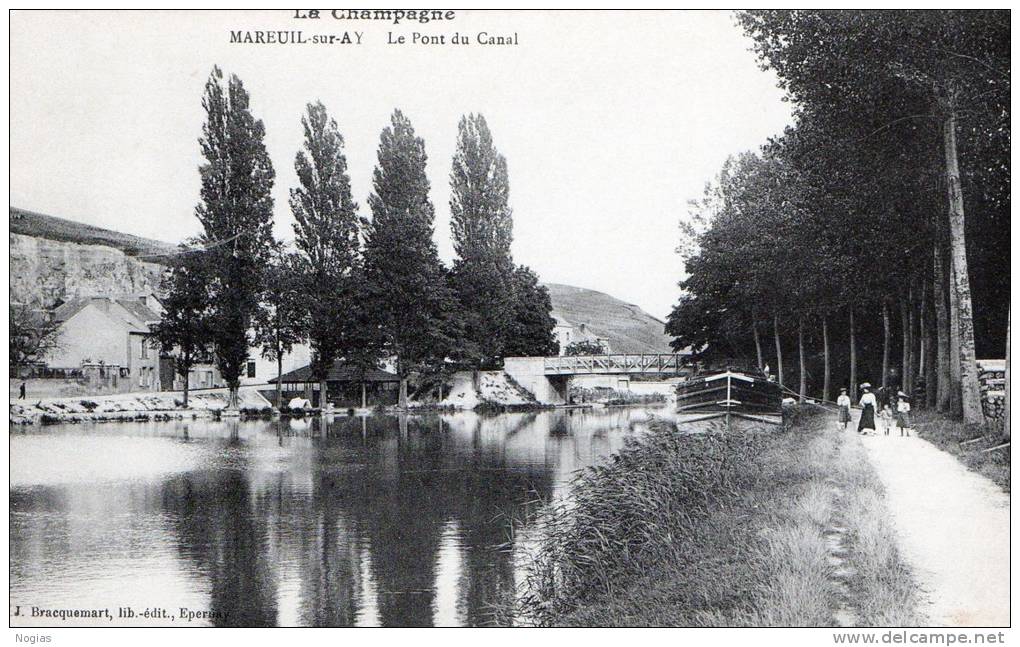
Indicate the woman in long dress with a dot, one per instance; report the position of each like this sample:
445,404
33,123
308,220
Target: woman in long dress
868,404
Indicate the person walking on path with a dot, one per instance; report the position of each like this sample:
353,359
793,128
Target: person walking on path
903,414
868,403
886,415
843,402
21,391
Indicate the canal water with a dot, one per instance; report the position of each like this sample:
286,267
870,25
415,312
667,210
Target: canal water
384,520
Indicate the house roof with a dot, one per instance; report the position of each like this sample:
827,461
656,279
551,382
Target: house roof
139,310
135,314
338,373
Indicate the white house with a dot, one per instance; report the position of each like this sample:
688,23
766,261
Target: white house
567,333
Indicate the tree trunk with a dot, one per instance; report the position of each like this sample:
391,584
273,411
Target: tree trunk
955,403
922,341
1005,420
941,331
232,397
323,395
779,349
825,343
279,382
187,376
853,358
916,346
402,402
970,388
802,393
886,338
757,344
907,344
930,368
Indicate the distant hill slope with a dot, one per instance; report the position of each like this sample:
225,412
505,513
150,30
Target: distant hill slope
628,328
47,273
38,225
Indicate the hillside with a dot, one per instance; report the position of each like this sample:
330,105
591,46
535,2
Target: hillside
38,225
53,259
628,328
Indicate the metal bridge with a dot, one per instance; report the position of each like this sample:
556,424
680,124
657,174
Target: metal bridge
615,364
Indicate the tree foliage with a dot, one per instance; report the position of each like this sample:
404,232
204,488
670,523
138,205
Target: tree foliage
281,321
183,331
33,335
584,347
530,333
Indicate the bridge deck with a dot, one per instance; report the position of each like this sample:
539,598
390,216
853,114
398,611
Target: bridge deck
615,364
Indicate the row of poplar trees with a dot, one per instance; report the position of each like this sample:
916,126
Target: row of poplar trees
357,290
869,242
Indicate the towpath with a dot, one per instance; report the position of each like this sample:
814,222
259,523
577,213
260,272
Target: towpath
953,529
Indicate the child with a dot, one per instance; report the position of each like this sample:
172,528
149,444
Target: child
903,414
843,402
887,417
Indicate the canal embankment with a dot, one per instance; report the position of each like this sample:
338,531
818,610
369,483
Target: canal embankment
755,527
492,391
163,405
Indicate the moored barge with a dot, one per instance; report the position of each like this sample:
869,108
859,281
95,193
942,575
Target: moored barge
730,393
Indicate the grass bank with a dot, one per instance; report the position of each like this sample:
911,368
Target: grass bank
752,528
971,444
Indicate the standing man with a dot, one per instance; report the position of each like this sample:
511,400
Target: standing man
21,391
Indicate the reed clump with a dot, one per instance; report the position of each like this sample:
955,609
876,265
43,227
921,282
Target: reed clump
720,529
650,506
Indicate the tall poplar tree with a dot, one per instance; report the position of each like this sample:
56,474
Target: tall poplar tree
481,223
408,291
236,212
327,234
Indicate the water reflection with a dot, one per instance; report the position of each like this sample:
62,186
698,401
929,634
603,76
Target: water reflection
394,521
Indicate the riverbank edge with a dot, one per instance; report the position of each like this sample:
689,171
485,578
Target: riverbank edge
21,415
780,528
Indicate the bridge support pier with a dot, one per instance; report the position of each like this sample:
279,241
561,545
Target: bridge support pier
529,372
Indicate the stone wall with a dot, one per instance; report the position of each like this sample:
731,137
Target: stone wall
992,376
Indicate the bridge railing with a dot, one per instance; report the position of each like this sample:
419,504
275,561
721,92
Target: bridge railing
614,363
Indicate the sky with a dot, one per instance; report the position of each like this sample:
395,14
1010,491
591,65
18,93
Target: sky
610,121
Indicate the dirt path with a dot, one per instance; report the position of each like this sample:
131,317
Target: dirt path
953,529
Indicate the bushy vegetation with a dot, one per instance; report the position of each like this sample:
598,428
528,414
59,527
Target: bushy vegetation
720,529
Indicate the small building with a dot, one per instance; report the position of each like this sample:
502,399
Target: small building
346,387
258,370
567,333
109,337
